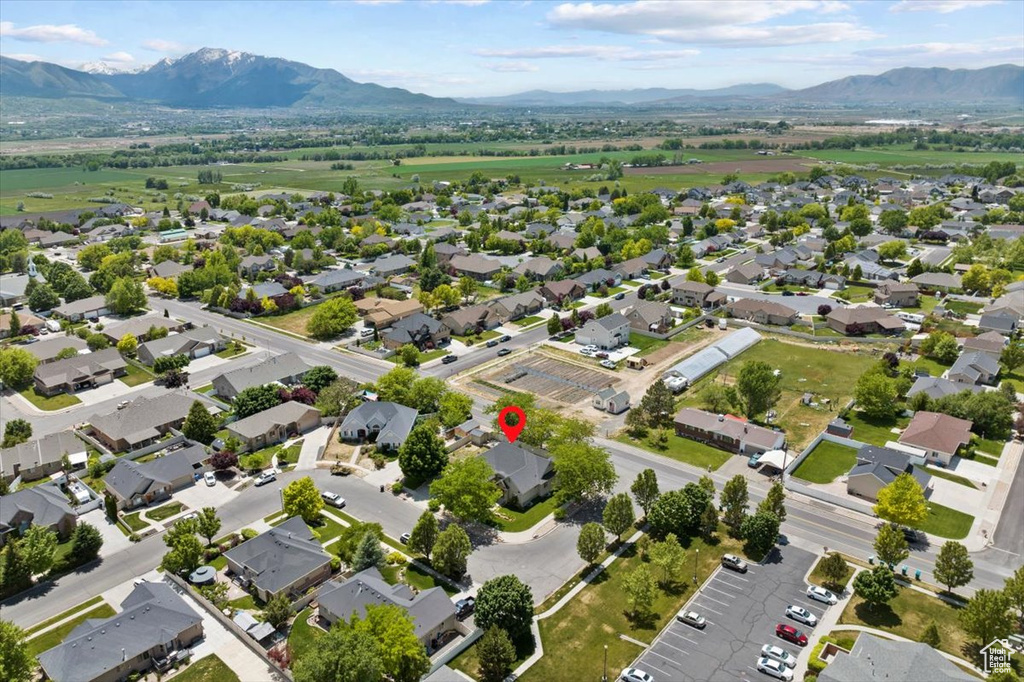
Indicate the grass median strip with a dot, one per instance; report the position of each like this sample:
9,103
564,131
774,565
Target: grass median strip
52,638
61,616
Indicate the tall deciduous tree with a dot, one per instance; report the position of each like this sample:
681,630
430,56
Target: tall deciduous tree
318,378
331,318
645,489
451,551
16,367
423,454
639,587
424,534
255,399
128,345
890,545
775,501
668,555
301,498
876,395
658,405
987,616
278,610
582,471
1013,588
496,653
126,296
757,387
761,531
38,548
618,515
953,566
507,602
590,542
344,654
876,586
16,663
402,656
207,523
902,502
734,501
466,488
835,569
679,511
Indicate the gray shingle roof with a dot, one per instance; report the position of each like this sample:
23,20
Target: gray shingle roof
47,350
886,464
142,415
281,555
397,419
129,478
32,453
79,367
267,372
524,468
46,503
874,658
258,424
82,306
174,344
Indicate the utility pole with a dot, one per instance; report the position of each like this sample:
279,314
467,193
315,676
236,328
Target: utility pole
696,556
604,677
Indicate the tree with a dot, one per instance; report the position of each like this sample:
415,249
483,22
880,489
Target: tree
318,378
16,663
931,636
368,554
876,394
128,345
331,318
278,610
453,408
186,551
639,588
734,501
891,251
582,471
342,655
645,489
16,573
14,324
834,568
987,616
1012,356
256,399
16,431
554,325
423,454
16,366
658,405
199,424
774,501
946,349
668,555
1013,588
717,398
590,542
761,531
902,502
708,523
953,566
43,297
679,511
402,656
876,586
618,515
890,545
351,536
467,489
975,279
410,355
301,498
38,548
86,542
636,423
126,296
424,534
207,523
496,653
451,551
893,221
757,387
506,602
467,286
223,460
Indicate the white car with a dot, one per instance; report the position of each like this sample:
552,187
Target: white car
777,653
608,364
821,594
692,618
264,478
333,499
635,675
803,615
774,669
210,479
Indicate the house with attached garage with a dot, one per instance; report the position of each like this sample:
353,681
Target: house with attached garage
250,266
650,316
761,312
275,425
142,421
386,424
80,372
974,368
471,320
48,350
518,306
938,435
384,312
726,432
42,505
474,265
28,323
197,342
938,281
168,269
82,309
562,291
632,268
990,343
286,559
691,294
595,279
133,484
606,333
392,265
12,288
746,273
523,475
897,294
877,467
285,369
540,267
342,279
140,327
41,457
417,329
863,320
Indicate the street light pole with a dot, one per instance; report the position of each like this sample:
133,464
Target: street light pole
604,677
696,555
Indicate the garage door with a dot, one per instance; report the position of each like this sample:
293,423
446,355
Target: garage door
202,352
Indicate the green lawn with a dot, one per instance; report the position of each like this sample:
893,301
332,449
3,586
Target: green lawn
874,431
949,476
989,446
962,307
207,669
616,290
931,365
485,335
425,356
519,521
826,462
165,512
205,390
416,577
329,530
135,521
232,349
246,603
857,294
57,402
528,321
61,616
946,522
907,615
302,635
52,638
684,450
646,344
136,375
817,577
290,454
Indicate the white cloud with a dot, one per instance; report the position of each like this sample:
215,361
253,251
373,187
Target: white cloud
940,6
412,80
992,49
23,56
511,67
51,33
158,45
120,57
602,52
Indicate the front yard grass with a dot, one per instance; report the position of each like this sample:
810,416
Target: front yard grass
616,290
990,446
290,454
328,530
946,522
52,638
425,356
874,431
207,669
826,462
684,450
207,390
483,336
61,616
646,344
246,603
293,322
165,512
136,375
519,521
232,350
857,294
528,321
818,578
949,476
48,403
135,521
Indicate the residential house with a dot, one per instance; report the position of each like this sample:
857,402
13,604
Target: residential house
275,425
417,329
84,308
168,269
133,484
1003,321
814,279
650,316
142,421
445,251
562,291
48,350
41,457
611,401
431,611
863,320
518,306
287,559
593,280
471,320
631,269
691,294
777,260
28,323
938,281
897,294
139,327
587,254
540,268
563,240
80,372
42,505
154,623
524,476
974,368
658,259
285,369
762,312
384,312
877,467
343,279
476,266
392,265
726,432
875,658
386,424
195,343
12,288
745,273
606,333
250,266
990,343
937,387
939,435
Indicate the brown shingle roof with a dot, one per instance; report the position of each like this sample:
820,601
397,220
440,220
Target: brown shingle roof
936,431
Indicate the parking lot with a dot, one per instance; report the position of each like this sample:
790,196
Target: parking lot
742,611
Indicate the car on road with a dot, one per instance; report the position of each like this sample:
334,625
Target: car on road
731,561
692,618
504,351
777,653
754,460
464,607
774,669
821,594
608,364
635,675
619,296
265,478
505,338
790,634
801,614
586,351
123,404
492,343
449,359
333,499
601,356
210,478
801,293
788,293
404,538
191,516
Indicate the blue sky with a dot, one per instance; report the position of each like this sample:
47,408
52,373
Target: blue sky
475,47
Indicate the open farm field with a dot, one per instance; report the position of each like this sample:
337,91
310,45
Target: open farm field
896,155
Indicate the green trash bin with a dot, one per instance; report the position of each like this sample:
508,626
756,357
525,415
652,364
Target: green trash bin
871,559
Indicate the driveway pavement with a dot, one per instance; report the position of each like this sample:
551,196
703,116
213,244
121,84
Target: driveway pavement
954,495
114,540
742,611
200,495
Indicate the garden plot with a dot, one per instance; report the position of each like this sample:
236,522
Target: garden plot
554,379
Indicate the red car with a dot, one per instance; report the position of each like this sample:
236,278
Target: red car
790,634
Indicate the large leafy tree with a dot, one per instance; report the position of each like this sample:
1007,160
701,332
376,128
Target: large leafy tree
590,542
902,502
645,489
454,408
331,318
774,501
186,551
43,297
582,471
255,399
757,387
890,545
658,405
86,542
876,395
16,431
423,454
835,569
278,610
496,653
640,590
128,345
451,551
668,555
344,654
877,586
16,573
320,377
953,566
402,656
467,489
395,385
16,366
301,498
679,511
126,296
987,616
16,663
618,515
38,547
199,424
761,531
207,523
506,602
424,534
734,501
1013,588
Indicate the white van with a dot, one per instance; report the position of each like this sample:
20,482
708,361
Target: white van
53,325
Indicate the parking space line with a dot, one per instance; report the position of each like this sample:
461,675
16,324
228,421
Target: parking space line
704,596
734,576
721,592
676,634
708,608
666,657
674,648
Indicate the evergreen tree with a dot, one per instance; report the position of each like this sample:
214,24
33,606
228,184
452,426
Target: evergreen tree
368,554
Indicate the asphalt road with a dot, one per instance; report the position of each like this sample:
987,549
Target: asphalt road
805,305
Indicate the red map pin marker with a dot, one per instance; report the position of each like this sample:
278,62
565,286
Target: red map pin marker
512,432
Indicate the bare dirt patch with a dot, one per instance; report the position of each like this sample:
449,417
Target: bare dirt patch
563,382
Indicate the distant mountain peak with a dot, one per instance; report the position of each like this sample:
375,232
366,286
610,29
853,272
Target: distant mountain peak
106,68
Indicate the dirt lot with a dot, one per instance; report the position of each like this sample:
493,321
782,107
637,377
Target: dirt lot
767,165
558,380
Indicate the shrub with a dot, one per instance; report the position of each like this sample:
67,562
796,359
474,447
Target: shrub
335,564
397,487
249,533
396,559
433,504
